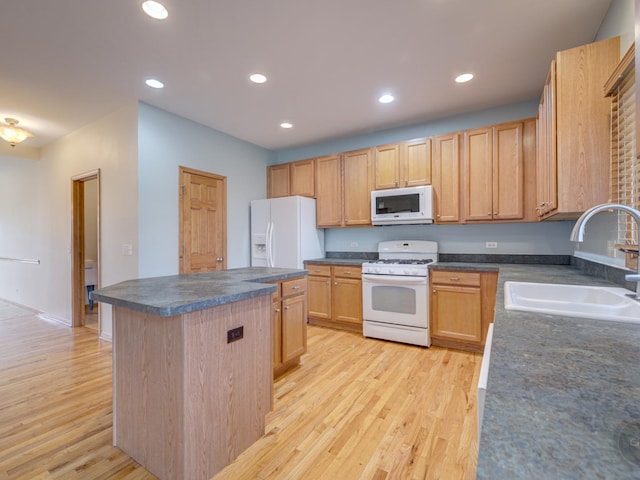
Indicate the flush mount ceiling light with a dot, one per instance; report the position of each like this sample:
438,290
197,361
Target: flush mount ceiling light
465,77
12,133
386,98
155,10
153,83
257,78
286,125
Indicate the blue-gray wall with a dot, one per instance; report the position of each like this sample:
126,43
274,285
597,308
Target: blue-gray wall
167,141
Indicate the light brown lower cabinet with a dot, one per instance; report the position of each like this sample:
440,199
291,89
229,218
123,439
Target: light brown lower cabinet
289,317
335,296
462,306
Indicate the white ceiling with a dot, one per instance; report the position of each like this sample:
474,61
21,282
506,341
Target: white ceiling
66,63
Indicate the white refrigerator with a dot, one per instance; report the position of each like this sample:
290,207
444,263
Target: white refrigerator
284,233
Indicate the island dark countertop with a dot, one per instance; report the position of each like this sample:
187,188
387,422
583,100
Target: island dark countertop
563,393
178,294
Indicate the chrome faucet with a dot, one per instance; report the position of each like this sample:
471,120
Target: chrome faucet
577,234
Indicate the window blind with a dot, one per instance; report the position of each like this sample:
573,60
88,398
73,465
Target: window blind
625,167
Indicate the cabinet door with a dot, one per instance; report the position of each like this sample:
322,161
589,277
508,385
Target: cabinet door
357,187
478,174
387,166
415,165
446,177
303,178
278,181
319,297
346,298
637,37
547,186
294,327
508,171
456,313
582,125
328,191
276,320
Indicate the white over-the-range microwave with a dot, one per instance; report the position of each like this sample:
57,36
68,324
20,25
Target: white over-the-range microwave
402,206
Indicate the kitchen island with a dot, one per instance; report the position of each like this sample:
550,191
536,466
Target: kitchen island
563,394
192,367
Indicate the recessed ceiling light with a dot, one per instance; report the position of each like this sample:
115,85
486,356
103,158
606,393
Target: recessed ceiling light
153,83
465,77
257,78
286,125
386,98
155,9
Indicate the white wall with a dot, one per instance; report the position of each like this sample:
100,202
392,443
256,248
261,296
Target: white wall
167,141
35,213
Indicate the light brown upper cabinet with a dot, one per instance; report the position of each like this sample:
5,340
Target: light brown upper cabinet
278,180
573,99
446,177
405,164
637,10
343,189
295,178
494,173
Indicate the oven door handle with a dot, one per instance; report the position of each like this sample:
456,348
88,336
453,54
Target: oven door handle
394,279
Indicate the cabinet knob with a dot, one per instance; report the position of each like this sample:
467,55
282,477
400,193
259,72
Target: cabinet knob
328,282
495,213
296,287
335,283
277,310
488,214
433,291
287,307
454,279
220,259
347,273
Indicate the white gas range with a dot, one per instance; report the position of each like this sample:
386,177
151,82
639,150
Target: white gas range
395,292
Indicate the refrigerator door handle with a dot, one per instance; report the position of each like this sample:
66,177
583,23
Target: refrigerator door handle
270,244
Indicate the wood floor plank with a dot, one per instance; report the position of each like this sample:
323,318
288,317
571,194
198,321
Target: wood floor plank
355,408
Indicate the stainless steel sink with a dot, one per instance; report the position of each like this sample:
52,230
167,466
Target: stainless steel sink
604,303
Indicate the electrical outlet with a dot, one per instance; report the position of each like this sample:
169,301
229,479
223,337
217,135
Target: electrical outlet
127,249
491,245
354,244
235,334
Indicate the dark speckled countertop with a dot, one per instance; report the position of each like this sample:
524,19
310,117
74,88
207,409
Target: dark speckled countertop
336,261
178,294
563,394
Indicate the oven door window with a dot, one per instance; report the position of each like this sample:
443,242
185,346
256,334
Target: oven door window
393,299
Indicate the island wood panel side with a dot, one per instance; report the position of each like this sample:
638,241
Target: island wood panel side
147,390
228,386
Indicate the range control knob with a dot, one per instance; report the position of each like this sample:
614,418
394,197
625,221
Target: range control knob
376,270
408,271
392,271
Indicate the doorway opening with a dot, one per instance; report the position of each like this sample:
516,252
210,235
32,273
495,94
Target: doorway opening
85,245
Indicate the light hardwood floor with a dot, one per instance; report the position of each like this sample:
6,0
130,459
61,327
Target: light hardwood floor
356,409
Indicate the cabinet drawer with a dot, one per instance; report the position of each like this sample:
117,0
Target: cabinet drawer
347,271
295,286
455,278
319,270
